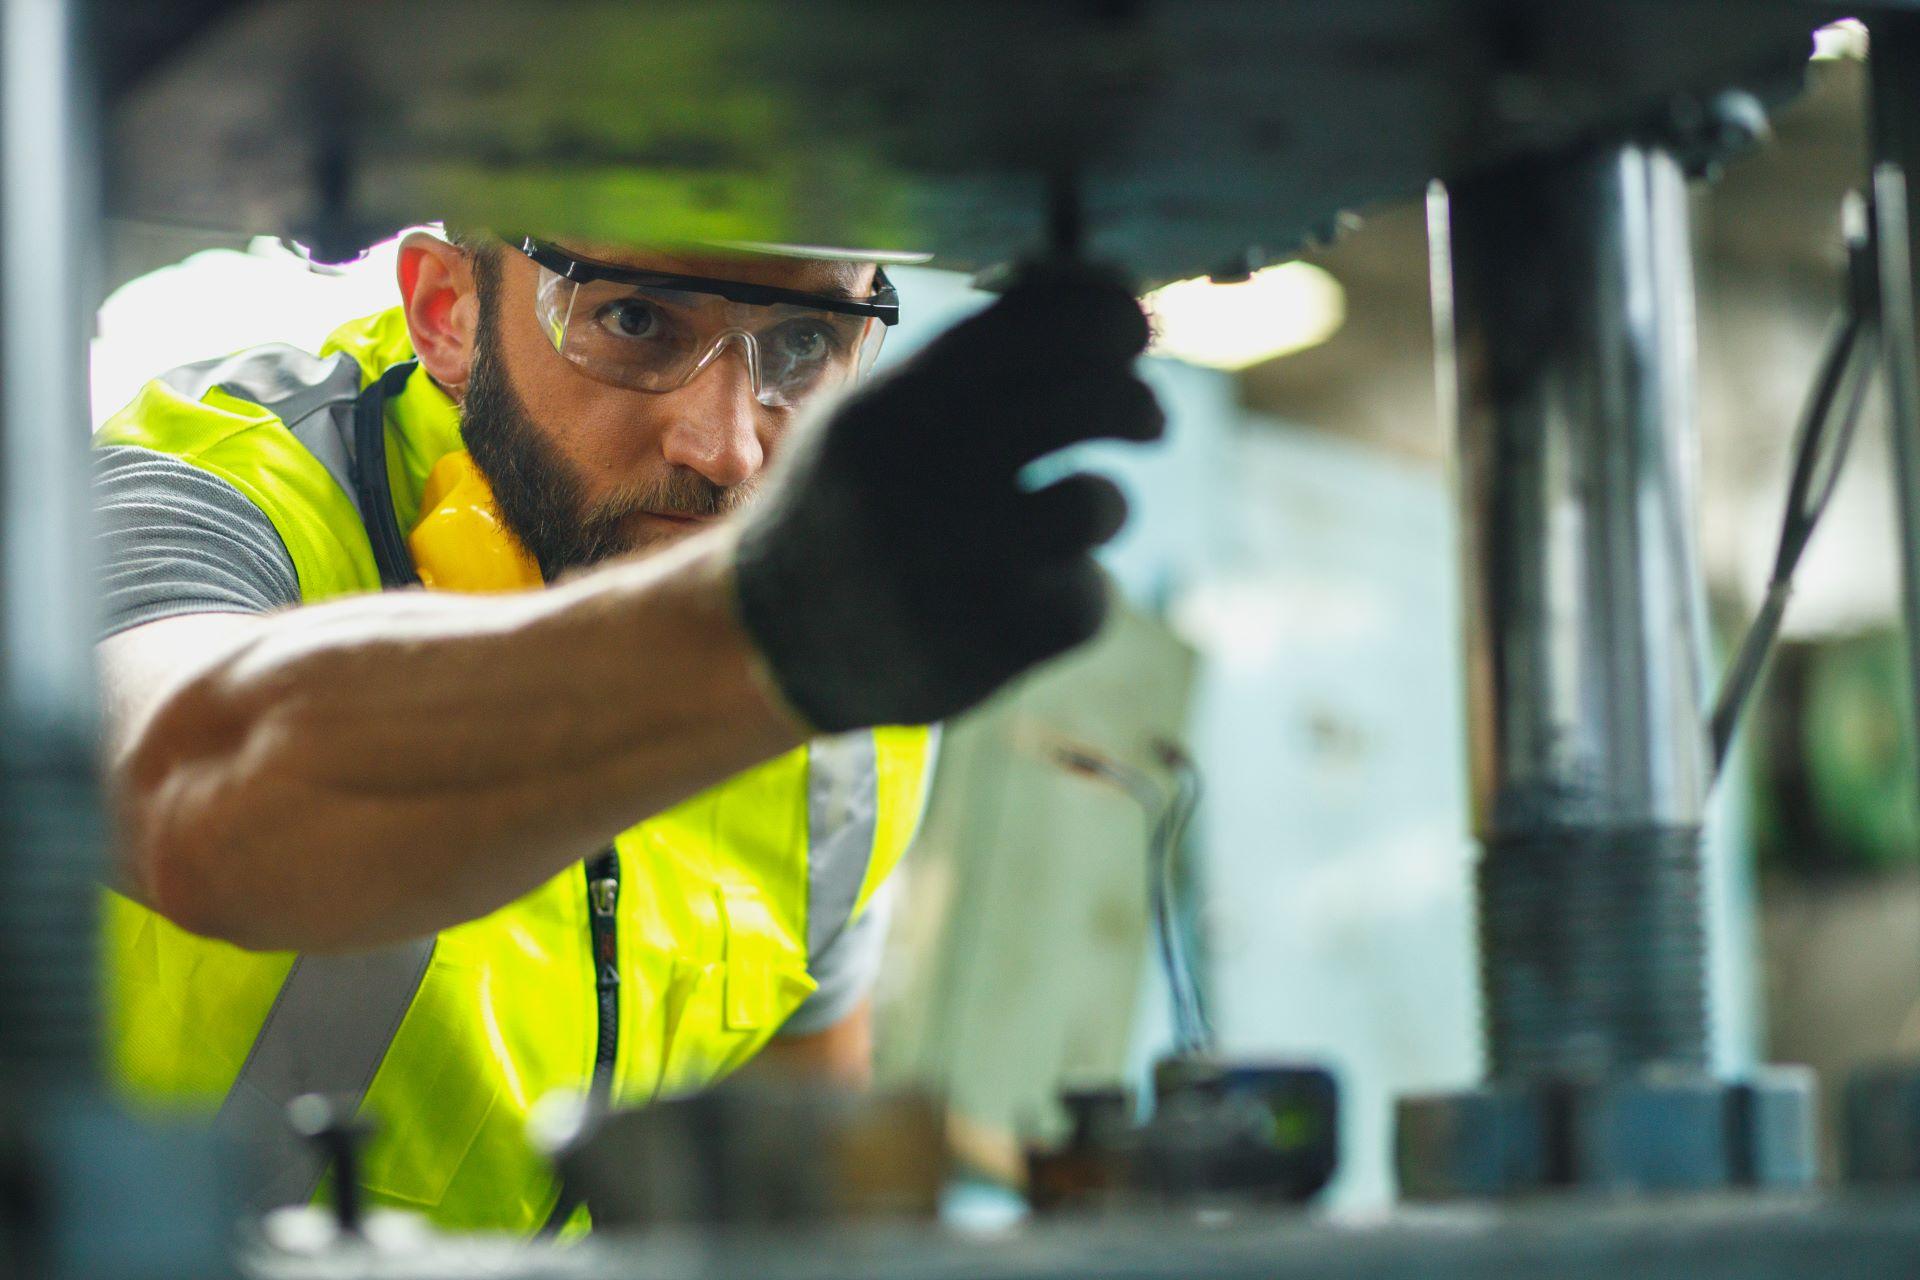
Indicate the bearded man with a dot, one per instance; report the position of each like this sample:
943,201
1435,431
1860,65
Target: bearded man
525,694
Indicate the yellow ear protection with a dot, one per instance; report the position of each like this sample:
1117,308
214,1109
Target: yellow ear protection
460,542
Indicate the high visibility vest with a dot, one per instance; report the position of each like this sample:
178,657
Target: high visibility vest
716,908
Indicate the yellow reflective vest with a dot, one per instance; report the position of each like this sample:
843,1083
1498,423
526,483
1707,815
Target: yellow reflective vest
703,937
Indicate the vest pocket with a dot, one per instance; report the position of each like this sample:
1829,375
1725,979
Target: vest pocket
754,994
719,1014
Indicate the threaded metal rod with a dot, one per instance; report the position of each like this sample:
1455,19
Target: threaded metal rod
1563,297
1592,953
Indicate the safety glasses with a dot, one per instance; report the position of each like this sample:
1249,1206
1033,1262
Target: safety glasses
655,331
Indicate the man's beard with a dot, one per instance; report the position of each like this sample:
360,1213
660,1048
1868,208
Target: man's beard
537,491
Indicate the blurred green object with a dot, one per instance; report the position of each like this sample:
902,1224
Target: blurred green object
1833,764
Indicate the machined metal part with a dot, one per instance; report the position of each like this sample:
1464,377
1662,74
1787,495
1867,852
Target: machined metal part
1564,295
1221,1132
751,1154
1564,301
1592,952
1649,1133
1477,1144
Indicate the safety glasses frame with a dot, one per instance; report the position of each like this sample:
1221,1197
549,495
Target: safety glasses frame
883,304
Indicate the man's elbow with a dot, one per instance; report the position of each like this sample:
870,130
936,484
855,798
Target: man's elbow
175,799
163,871
200,882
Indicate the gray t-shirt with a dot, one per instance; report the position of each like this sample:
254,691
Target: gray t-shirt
175,540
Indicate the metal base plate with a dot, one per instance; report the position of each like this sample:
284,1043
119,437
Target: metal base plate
1707,1238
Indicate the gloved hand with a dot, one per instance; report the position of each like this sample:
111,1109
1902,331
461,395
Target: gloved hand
896,573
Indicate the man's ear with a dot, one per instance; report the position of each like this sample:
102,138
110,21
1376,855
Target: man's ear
441,299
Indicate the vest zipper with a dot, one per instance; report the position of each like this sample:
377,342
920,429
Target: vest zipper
603,900
603,937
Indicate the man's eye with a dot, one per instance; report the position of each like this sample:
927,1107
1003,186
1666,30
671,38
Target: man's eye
630,318
805,343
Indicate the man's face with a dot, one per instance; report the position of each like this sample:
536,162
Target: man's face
583,470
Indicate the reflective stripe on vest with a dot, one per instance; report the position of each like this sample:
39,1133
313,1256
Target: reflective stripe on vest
843,810
313,397
327,1033
335,1017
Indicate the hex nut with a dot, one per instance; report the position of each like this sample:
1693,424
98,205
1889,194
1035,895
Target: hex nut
1481,1143
1656,1132
1880,1121
1781,1128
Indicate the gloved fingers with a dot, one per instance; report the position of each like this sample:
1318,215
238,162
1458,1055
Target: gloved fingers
1053,316
1002,535
1069,516
984,443
914,426
1061,606
1089,303
1029,605
1067,411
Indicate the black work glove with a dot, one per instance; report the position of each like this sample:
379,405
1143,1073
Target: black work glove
897,573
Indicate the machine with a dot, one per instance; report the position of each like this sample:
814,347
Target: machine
1199,139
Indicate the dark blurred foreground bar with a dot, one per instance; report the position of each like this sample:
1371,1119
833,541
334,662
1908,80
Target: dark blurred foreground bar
89,1194
1709,1238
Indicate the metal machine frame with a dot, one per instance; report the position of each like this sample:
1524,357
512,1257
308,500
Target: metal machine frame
1591,756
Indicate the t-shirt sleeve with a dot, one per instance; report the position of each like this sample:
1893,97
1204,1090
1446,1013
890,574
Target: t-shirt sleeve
174,539
845,968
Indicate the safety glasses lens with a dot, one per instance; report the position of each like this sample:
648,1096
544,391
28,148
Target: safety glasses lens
657,339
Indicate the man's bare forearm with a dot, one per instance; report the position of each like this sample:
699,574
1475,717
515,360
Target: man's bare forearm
357,772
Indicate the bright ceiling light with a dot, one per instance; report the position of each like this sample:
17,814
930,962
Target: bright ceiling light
1846,38
1273,313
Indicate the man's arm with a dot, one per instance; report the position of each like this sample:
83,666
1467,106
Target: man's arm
371,769
841,1054
376,768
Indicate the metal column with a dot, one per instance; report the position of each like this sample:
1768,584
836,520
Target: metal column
1563,290
1881,1135
1572,295
1895,124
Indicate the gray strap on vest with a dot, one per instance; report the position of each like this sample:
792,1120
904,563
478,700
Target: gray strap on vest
843,816
312,396
335,1016
327,1032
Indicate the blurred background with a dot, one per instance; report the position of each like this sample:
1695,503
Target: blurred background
1291,623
